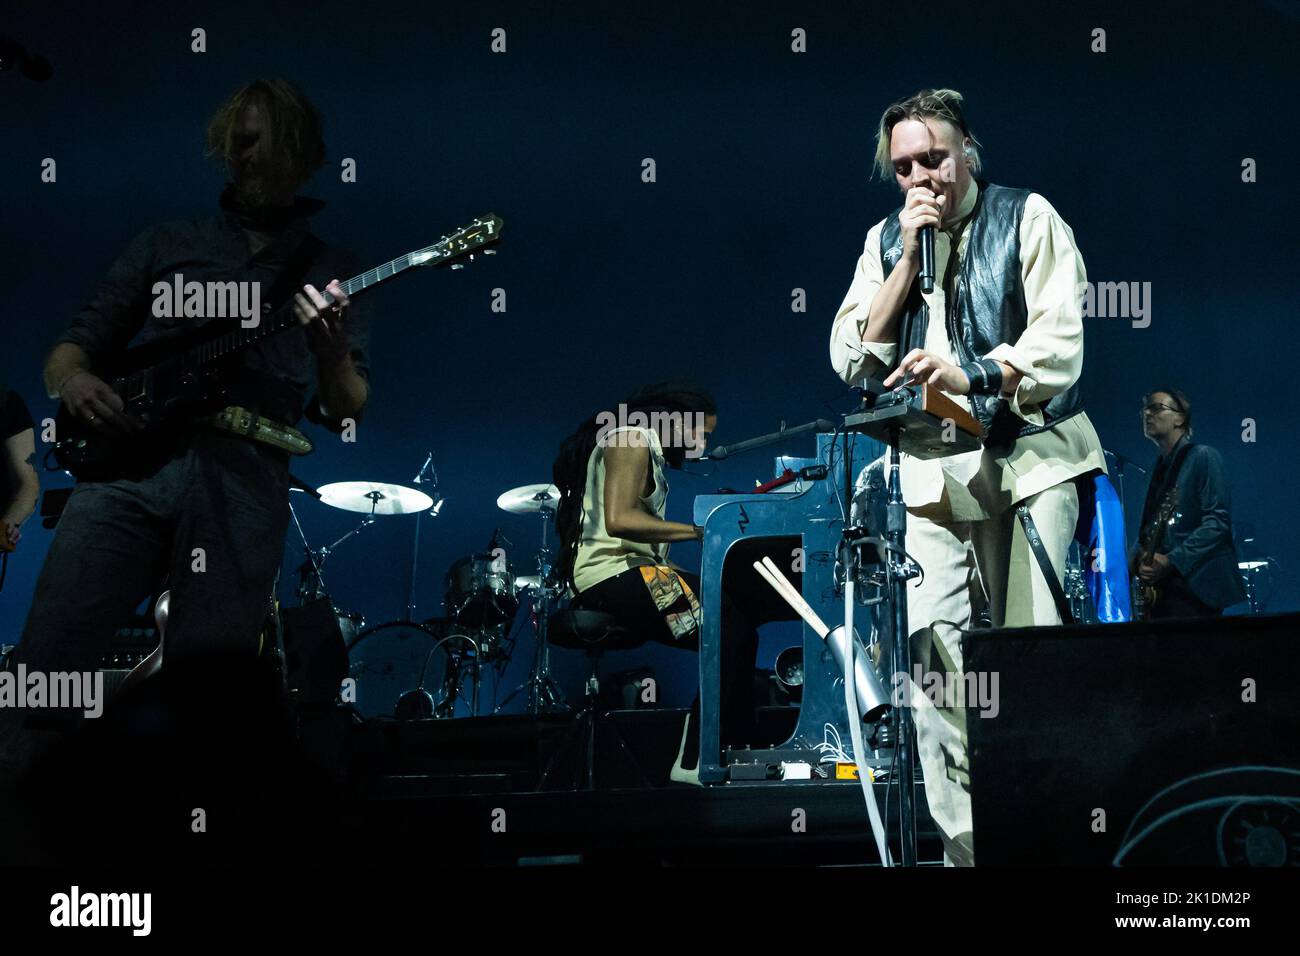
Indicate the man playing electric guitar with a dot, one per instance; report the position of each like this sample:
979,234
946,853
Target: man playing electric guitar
1186,561
204,506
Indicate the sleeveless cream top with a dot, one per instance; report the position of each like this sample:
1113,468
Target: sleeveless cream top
600,554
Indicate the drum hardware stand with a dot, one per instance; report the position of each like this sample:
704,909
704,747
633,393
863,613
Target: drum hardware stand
310,583
419,703
451,686
544,694
1248,578
426,475
452,683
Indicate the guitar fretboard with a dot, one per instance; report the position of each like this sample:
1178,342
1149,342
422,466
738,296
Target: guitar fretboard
465,241
283,318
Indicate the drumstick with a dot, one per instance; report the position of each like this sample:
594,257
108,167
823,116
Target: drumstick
781,587
793,593
777,587
793,598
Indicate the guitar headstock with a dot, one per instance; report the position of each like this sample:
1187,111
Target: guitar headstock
462,245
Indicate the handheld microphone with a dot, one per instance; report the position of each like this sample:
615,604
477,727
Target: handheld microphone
927,259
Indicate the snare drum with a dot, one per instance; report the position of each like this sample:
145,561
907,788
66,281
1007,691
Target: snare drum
480,591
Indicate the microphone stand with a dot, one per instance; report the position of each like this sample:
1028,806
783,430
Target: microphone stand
726,451
420,479
887,413
899,570
1120,463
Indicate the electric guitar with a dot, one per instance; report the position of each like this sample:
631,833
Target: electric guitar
152,664
167,382
1146,594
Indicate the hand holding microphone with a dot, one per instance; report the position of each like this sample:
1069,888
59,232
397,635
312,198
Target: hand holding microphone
922,211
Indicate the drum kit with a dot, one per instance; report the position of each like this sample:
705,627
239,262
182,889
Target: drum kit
411,668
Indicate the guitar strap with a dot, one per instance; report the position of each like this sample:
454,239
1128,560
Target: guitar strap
1044,563
248,424
291,275
1154,494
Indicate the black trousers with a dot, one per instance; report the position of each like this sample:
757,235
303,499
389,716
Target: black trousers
210,520
626,597
1177,600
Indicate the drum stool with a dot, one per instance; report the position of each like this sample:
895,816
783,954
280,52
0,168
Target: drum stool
592,632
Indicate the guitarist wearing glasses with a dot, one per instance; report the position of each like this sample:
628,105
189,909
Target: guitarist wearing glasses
1185,563
202,505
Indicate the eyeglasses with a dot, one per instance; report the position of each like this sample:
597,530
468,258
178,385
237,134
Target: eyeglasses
1155,408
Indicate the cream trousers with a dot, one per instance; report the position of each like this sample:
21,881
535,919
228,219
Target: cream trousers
966,565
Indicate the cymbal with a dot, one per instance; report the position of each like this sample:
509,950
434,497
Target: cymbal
363,496
529,499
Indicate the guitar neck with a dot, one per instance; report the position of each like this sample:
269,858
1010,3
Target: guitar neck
465,241
282,319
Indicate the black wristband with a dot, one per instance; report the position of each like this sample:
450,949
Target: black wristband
985,376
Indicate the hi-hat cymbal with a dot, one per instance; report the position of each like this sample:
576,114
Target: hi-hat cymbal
529,499
367,496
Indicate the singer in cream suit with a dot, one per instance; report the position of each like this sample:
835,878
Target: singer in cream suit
1016,367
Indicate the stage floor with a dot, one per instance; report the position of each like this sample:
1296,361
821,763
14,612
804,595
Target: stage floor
470,788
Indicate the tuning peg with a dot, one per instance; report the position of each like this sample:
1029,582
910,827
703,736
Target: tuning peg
457,266
489,252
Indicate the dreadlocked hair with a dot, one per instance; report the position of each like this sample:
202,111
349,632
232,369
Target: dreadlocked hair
569,471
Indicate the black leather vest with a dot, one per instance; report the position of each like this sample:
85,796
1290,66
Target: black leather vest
986,308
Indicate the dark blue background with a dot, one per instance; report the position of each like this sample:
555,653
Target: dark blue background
763,157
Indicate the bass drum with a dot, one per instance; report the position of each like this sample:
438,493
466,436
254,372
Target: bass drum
480,591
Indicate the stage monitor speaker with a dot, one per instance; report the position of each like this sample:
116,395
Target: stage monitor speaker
1163,743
